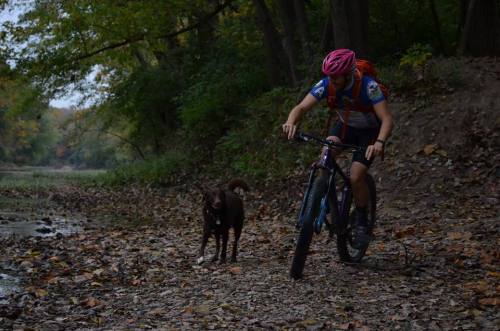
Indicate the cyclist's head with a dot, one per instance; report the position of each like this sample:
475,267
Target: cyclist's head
340,62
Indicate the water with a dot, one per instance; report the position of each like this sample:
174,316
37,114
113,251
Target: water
8,286
23,216
52,227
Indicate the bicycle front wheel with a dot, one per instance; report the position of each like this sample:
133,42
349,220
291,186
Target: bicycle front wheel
311,211
346,252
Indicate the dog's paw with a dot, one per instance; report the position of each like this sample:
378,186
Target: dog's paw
200,260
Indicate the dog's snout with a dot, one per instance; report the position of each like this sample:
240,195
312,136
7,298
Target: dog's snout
217,204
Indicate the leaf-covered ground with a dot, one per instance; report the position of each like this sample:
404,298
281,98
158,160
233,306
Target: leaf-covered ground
434,263
430,267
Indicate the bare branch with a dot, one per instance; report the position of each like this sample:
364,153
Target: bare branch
141,37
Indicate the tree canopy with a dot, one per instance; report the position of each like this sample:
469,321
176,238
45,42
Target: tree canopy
167,71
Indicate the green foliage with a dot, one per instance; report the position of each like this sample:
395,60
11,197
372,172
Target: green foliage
158,170
257,147
438,75
203,91
27,129
222,84
416,56
145,103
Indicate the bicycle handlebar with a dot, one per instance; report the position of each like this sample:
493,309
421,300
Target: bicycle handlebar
307,137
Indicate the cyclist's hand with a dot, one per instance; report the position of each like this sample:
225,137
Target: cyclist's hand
289,129
376,149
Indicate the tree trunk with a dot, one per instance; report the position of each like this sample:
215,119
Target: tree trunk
340,24
350,25
303,28
327,37
481,33
276,59
437,26
357,17
287,17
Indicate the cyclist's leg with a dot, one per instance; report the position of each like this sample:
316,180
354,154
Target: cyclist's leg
360,165
358,184
359,169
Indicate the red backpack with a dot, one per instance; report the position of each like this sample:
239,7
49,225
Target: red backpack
364,67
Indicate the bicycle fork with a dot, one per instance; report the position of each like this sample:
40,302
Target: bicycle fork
300,221
324,208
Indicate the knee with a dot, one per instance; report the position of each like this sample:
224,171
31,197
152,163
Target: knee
335,151
334,139
357,178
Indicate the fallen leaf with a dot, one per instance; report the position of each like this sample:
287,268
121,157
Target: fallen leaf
189,310
429,149
346,326
203,309
403,232
489,301
157,312
40,293
235,270
459,235
91,302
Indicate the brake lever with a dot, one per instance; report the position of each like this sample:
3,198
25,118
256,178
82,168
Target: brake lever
300,136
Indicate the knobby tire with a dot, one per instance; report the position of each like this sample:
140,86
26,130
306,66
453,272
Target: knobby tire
311,211
344,236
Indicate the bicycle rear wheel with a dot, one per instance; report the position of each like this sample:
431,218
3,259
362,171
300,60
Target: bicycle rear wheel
311,211
346,252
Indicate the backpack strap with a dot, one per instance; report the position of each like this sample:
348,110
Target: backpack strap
356,89
358,80
331,106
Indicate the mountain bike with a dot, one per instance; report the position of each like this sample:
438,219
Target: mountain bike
325,196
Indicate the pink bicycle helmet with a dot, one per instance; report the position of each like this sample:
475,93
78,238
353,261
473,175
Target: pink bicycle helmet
339,62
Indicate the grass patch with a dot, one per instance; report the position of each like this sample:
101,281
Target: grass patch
160,170
40,178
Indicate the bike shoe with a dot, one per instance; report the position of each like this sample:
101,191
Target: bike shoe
361,237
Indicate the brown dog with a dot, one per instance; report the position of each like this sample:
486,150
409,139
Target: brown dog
222,210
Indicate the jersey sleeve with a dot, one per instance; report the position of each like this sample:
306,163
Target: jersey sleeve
320,90
373,92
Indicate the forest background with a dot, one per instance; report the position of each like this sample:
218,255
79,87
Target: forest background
170,88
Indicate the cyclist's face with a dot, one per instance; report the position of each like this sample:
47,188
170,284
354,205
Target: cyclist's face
338,81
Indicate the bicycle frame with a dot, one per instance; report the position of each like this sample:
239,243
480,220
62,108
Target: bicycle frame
329,202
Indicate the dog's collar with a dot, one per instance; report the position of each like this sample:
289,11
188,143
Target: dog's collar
214,215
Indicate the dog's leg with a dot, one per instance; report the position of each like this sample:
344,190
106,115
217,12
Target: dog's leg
225,237
217,246
237,234
204,241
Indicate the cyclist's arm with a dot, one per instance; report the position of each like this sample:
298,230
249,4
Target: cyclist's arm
384,114
296,114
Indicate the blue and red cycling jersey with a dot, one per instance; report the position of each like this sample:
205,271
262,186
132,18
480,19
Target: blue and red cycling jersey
370,94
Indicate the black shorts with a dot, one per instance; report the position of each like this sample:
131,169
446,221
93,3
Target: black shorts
358,137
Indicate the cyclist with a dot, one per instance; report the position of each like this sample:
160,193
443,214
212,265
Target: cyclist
364,120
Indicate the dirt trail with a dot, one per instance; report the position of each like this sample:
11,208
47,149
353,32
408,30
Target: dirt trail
430,273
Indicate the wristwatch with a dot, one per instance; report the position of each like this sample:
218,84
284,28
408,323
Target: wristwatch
381,141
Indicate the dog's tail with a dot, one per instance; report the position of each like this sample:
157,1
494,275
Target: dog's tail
237,182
